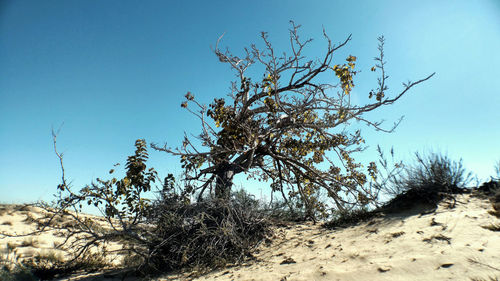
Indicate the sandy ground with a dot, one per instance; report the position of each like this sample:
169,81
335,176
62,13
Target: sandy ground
20,220
450,244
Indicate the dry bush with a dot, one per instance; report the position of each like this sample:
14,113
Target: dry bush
431,179
203,235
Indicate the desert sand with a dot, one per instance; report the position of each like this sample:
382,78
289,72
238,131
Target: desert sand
449,244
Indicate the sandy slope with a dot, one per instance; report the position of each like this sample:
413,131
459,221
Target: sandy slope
19,219
447,245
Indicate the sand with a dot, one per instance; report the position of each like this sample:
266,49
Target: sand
450,244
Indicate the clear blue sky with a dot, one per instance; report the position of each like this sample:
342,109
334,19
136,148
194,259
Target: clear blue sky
115,71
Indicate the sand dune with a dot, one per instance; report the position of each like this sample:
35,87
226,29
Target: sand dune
450,244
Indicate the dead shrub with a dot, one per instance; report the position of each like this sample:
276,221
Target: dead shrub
207,234
431,179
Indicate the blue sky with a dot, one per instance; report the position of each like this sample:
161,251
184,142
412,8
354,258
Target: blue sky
116,71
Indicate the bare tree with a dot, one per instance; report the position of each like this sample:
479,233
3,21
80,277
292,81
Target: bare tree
287,127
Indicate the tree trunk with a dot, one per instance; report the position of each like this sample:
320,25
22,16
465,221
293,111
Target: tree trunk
224,182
